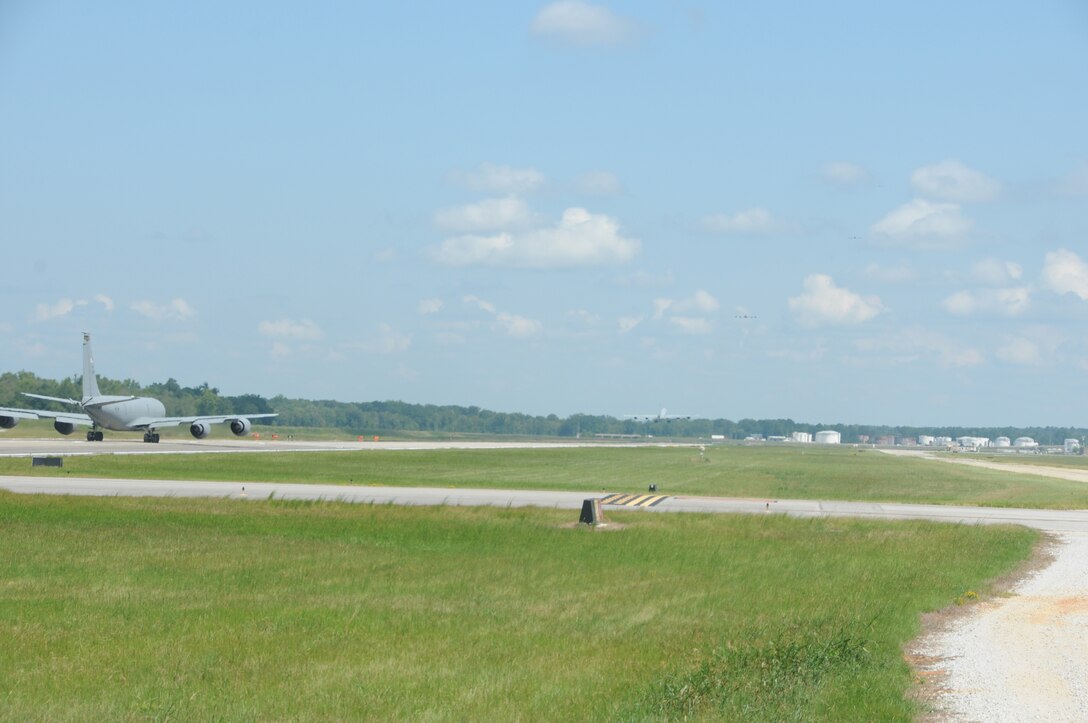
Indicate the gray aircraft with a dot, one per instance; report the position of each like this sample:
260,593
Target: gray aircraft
120,413
661,416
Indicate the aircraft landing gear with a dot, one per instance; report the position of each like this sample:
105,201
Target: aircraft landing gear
94,436
151,437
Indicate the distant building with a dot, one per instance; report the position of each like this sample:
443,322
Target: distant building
802,437
829,436
925,440
886,440
1071,446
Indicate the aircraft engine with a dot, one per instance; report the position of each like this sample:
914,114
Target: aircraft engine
8,422
64,427
200,429
240,427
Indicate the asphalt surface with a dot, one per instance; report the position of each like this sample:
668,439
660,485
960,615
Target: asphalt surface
1047,520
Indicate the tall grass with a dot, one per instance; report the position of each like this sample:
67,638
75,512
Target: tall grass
126,609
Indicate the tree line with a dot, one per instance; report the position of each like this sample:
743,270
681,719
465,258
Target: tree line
367,418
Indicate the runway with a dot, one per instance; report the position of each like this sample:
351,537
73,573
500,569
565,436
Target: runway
68,447
1046,520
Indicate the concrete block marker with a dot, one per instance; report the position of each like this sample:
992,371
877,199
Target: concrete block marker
47,462
592,514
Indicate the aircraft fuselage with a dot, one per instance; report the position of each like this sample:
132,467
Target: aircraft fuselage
118,413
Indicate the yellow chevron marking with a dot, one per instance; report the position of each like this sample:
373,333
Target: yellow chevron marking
626,500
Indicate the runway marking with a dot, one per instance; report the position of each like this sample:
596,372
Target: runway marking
636,500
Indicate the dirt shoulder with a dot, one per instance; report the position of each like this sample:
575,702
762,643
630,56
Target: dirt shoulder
1021,652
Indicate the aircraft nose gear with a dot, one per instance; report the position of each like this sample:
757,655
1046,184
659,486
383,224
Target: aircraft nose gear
94,436
152,437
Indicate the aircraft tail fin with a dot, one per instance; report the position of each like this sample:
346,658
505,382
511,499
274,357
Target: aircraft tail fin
90,381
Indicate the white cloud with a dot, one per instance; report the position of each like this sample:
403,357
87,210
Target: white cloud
487,215
627,323
480,304
681,315
384,256
953,181
754,220
45,312
844,173
580,23
701,301
1007,302
513,325
390,341
430,306
516,326
994,271
692,324
580,239
824,303
174,310
924,219
646,279
1020,351
492,178
586,317
65,306
290,329
280,350
599,183
1064,272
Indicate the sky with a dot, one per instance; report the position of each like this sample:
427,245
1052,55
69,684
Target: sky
858,212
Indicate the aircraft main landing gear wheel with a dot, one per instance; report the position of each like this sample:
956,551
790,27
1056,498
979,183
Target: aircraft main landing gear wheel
94,436
151,437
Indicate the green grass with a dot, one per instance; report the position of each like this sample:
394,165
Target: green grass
729,471
159,609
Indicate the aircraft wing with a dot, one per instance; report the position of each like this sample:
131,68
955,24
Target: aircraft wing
68,417
157,422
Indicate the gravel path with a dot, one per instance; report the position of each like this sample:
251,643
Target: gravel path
1020,658
1023,657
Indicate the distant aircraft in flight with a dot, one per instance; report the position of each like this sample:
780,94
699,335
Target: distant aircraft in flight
120,414
662,416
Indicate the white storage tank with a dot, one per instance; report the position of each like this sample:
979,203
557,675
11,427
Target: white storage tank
1002,442
1024,443
925,440
802,437
828,436
1071,446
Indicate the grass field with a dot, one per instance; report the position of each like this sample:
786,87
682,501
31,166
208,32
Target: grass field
734,471
156,609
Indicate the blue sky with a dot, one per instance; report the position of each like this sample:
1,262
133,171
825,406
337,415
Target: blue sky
859,212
